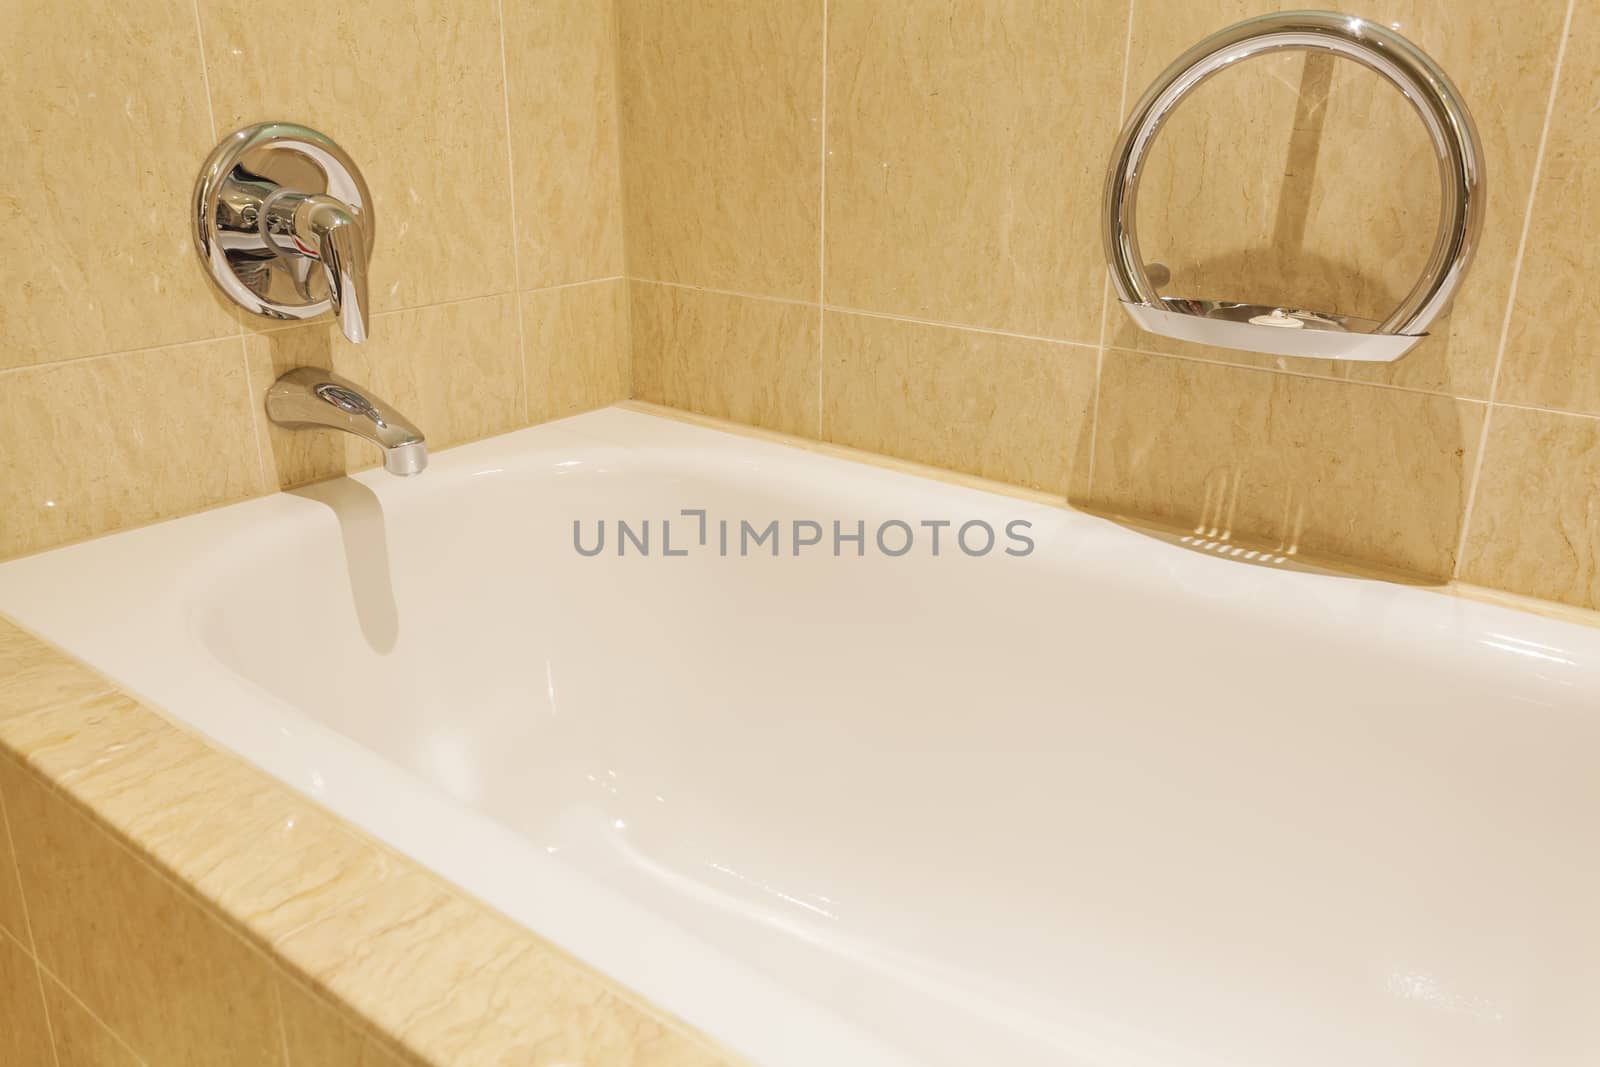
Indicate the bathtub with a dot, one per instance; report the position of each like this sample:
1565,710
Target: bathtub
1089,796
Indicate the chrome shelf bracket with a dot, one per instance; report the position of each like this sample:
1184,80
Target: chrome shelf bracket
1285,330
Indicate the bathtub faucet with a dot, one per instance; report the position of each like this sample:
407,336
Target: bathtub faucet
307,398
326,230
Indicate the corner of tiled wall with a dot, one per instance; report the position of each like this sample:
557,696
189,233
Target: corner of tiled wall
878,225
130,392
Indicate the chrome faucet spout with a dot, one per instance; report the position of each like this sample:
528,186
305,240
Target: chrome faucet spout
309,398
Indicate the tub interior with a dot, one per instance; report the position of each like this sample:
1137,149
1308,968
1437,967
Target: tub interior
1105,813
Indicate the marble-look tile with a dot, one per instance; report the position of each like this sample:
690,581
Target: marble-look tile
967,143
24,1033
998,407
514,999
413,92
731,357
13,911
562,92
1552,356
96,445
576,350
142,956
33,675
1366,473
721,127
1536,517
319,1034
1311,182
82,1040
270,859
103,126
455,370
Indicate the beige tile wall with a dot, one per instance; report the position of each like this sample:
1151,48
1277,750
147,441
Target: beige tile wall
878,225
129,392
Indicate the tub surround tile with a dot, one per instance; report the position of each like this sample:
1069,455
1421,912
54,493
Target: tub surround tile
966,149
996,407
513,997
142,956
1365,473
24,1032
97,445
413,92
730,357
271,860
455,370
319,1034
1311,182
33,675
562,92
1552,356
155,909
103,106
721,123
576,348
1536,519
13,912
81,1040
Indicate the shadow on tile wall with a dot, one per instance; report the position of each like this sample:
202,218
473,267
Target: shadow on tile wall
905,257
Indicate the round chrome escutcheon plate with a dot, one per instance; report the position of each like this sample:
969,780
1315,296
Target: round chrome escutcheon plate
242,174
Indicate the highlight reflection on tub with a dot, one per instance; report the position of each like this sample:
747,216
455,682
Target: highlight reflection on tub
1110,802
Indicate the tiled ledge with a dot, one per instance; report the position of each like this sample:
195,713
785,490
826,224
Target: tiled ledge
181,907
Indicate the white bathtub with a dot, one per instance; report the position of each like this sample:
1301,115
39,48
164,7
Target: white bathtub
1114,802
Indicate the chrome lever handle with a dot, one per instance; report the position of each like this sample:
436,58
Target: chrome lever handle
323,228
343,253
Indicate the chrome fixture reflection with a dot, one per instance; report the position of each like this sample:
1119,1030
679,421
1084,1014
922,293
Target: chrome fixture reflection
1286,330
283,222
308,398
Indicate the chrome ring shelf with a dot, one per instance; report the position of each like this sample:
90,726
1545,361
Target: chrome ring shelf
1293,331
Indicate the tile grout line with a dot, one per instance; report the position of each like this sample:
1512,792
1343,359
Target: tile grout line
205,71
822,232
569,285
32,947
1105,283
1511,292
211,911
1099,374
622,192
727,292
283,1027
301,325
961,326
45,972
516,234
238,326
250,393
616,133
1511,405
1300,374
1038,338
